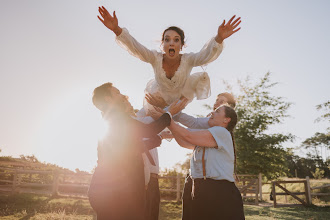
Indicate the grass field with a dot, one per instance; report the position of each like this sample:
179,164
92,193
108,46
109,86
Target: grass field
38,207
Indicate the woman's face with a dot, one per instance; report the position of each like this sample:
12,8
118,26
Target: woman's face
218,118
172,44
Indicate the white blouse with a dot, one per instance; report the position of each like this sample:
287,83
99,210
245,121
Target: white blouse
182,83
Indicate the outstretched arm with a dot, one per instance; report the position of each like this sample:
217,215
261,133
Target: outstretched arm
214,47
109,21
174,108
183,143
124,39
149,130
226,30
192,122
201,138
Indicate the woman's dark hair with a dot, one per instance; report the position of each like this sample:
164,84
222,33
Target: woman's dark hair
230,113
177,30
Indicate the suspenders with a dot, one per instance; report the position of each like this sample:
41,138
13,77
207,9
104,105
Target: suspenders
203,162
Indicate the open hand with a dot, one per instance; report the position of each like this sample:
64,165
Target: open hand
178,106
109,21
156,100
156,112
226,30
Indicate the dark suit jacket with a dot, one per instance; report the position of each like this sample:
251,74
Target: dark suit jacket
120,172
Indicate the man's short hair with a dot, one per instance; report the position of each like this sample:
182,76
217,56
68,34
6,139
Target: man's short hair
230,98
99,94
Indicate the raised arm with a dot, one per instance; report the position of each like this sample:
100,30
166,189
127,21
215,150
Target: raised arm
201,138
183,143
124,39
188,120
192,122
149,130
109,21
226,30
212,49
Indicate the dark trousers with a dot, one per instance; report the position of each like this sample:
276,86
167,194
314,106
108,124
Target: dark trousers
152,199
186,199
123,199
116,206
216,199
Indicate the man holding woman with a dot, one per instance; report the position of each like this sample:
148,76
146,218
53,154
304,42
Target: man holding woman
117,189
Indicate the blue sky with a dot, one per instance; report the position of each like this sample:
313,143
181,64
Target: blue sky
54,53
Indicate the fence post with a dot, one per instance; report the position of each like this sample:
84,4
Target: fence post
256,192
308,191
274,193
19,177
178,187
244,193
260,186
14,182
55,182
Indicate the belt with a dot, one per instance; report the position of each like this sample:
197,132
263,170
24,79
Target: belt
154,175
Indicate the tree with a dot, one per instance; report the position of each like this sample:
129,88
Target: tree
311,166
326,116
320,142
257,110
317,142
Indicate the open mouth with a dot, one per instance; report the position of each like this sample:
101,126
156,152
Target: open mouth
171,52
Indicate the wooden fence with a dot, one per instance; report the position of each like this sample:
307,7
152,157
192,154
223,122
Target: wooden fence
178,189
43,182
76,185
307,193
293,194
62,184
317,187
250,187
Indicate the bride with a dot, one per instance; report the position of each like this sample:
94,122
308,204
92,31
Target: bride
171,67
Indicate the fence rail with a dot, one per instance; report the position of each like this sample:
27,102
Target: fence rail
318,187
308,192
250,186
20,181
